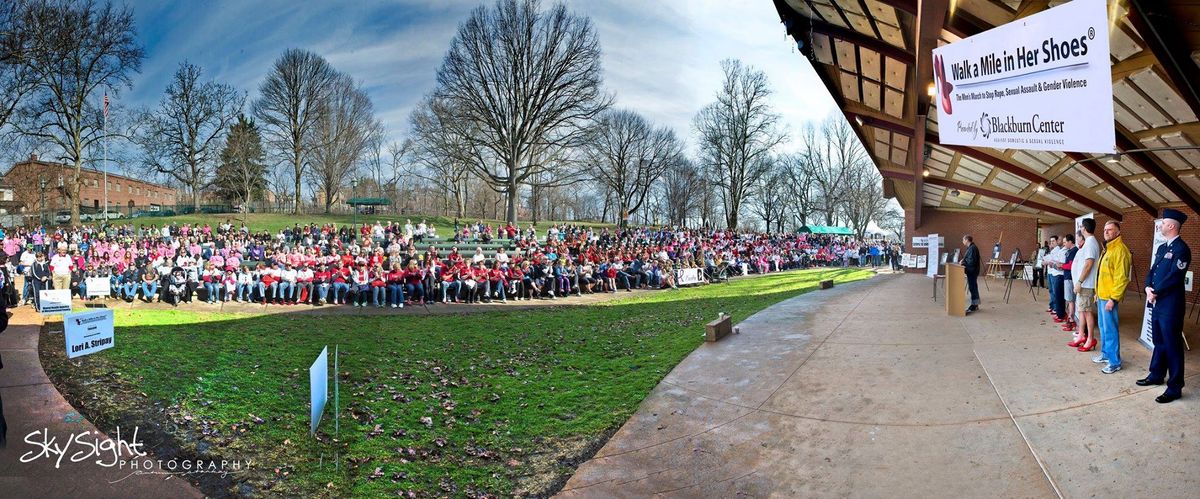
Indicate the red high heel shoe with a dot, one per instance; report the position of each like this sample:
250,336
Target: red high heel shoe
1091,345
1059,319
1070,326
1078,342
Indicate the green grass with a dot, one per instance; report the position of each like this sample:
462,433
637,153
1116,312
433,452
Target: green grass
276,221
514,398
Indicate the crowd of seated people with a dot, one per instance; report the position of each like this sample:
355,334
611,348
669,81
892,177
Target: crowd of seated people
392,264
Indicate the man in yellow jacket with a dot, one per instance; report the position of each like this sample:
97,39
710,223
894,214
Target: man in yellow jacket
1110,289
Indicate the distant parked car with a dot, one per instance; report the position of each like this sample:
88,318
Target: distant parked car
110,215
62,217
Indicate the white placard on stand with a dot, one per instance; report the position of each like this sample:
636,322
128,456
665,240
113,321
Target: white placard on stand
932,243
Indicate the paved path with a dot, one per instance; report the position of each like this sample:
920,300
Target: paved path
870,390
31,403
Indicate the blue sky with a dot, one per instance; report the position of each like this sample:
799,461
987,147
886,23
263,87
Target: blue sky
661,58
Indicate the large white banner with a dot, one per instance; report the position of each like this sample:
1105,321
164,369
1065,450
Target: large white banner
1147,337
1043,82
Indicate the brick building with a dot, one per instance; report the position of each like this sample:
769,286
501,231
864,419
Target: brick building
124,193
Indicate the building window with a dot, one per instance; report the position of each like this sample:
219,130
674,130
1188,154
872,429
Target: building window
118,187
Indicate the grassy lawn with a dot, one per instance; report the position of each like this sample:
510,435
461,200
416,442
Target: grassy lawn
275,221
504,403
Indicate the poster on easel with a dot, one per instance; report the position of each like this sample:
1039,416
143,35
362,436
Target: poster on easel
1147,336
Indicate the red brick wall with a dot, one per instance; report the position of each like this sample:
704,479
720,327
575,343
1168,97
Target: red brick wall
1137,230
986,228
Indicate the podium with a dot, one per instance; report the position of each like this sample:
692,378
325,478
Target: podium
956,290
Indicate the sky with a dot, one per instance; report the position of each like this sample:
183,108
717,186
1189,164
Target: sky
660,58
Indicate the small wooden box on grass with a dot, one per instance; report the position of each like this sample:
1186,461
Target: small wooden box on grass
718,329
826,284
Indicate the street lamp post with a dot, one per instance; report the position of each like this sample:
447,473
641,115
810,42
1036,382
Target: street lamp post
42,184
354,209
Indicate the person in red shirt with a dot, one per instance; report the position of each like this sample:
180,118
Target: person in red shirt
378,286
450,286
496,283
340,279
321,282
516,277
395,286
414,282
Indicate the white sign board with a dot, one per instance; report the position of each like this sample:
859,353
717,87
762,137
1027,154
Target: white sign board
1042,82
318,383
1187,281
931,242
54,301
689,276
1147,336
98,286
921,261
88,332
907,261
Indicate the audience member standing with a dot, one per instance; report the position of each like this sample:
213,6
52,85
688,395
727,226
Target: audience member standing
1111,282
1085,284
1164,290
970,263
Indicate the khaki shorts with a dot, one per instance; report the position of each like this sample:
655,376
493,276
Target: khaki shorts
1086,300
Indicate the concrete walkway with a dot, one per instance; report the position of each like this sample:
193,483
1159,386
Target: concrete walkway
32,404
870,390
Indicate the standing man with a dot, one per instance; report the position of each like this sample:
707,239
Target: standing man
970,263
1110,288
1085,283
1053,261
61,265
1164,290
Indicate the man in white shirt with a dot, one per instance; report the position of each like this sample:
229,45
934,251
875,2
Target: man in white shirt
1053,262
287,285
61,266
1084,270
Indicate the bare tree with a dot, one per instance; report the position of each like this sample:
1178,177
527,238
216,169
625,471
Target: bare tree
387,166
863,200
444,154
342,136
736,133
182,136
831,154
681,188
241,175
771,196
82,48
522,85
627,156
18,48
798,184
289,107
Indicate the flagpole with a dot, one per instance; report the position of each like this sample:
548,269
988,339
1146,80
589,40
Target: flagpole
104,216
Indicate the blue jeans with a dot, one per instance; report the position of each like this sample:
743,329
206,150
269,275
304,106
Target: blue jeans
129,290
1058,302
322,291
28,293
212,290
415,291
378,295
396,292
340,292
1110,338
243,290
284,291
149,290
